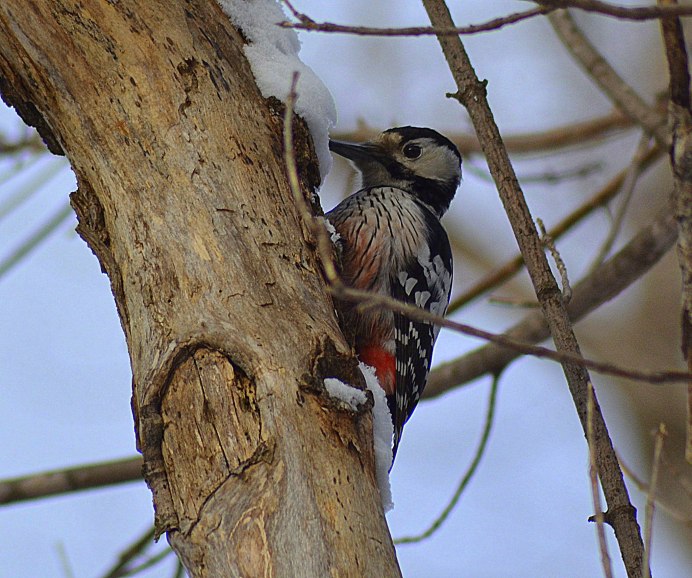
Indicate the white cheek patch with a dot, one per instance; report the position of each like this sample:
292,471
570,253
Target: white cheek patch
438,163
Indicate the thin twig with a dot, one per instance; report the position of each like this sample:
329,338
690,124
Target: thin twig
622,12
130,553
644,250
31,143
52,224
559,176
367,299
318,230
651,498
643,487
599,517
552,177
610,82
504,272
676,55
25,163
37,179
308,24
559,263
466,478
146,564
574,134
179,570
512,302
65,563
631,177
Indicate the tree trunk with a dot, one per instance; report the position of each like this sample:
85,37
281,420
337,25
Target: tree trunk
183,198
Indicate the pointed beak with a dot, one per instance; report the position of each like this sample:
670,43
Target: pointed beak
357,153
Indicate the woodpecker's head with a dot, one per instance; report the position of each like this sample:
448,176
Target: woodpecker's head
418,160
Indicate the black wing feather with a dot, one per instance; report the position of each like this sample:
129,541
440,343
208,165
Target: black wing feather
421,283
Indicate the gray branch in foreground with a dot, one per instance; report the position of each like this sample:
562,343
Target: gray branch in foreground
621,515
615,275
619,272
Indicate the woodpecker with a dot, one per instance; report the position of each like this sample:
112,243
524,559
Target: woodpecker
392,243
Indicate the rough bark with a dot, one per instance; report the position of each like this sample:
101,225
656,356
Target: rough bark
183,198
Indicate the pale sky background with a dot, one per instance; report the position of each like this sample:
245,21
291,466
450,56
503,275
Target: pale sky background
65,380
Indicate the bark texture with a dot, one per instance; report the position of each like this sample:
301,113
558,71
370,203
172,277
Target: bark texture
183,198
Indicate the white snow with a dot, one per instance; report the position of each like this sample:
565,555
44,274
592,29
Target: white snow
273,56
383,429
333,234
349,395
383,432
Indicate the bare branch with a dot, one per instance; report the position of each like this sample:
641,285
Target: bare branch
619,92
39,235
37,179
632,175
67,569
619,272
676,53
466,478
318,231
671,473
622,12
30,142
307,23
548,241
368,299
504,272
70,480
564,136
130,553
599,516
146,564
472,94
651,497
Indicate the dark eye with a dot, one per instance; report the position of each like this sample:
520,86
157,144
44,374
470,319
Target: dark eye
412,151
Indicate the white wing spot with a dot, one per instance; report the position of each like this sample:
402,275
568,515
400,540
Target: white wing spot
422,298
410,284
